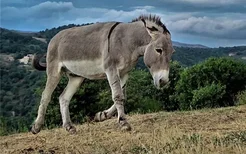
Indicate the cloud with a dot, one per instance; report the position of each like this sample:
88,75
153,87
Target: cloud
42,10
51,14
52,7
236,6
220,27
106,15
8,2
144,7
222,19
213,2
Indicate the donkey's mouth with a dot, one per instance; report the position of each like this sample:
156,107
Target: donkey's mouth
160,78
161,83
157,84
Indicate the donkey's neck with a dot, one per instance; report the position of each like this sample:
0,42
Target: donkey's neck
140,38
135,38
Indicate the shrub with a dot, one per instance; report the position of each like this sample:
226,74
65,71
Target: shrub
140,88
166,95
241,98
208,96
219,78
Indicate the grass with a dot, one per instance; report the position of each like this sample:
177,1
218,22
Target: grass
220,130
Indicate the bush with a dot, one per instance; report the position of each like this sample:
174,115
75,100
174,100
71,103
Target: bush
215,79
207,97
241,98
140,93
167,94
140,88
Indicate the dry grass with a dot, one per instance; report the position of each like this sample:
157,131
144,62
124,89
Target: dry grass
205,131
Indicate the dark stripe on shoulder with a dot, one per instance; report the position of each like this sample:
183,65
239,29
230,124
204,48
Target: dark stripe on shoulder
110,32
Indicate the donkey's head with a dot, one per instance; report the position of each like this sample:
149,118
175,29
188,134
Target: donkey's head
158,52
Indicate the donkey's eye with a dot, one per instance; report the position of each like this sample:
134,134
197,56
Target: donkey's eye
159,51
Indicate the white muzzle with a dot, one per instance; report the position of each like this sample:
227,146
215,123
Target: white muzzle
161,76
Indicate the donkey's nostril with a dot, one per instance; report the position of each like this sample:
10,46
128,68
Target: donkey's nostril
163,82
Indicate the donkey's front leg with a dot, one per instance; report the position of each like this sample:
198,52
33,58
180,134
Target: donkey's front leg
118,97
107,114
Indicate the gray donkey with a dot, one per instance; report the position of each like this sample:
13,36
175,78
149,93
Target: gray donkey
103,50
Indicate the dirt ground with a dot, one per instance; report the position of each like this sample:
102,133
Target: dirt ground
220,130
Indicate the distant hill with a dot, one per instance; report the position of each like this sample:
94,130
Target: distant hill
13,42
178,44
49,33
190,56
26,33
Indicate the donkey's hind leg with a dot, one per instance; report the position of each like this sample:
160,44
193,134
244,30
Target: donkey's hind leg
64,99
106,114
51,83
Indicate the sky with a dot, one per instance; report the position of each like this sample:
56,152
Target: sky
212,23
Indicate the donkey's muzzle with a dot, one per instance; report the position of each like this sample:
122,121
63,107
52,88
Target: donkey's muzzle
160,78
160,83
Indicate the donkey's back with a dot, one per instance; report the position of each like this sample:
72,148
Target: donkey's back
79,51
80,43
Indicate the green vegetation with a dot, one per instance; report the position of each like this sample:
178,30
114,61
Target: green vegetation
213,83
49,33
17,96
192,56
94,96
20,45
241,98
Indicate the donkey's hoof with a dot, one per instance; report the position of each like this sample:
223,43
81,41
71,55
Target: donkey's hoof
71,129
35,130
125,126
100,116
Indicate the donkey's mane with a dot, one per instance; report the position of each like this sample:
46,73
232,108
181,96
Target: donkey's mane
152,18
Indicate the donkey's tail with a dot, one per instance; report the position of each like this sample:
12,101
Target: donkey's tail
37,64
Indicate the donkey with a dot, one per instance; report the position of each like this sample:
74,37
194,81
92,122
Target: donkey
103,51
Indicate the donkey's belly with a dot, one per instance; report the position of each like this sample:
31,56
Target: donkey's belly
86,68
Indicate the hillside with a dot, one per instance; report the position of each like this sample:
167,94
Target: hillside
12,42
219,130
191,56
178,44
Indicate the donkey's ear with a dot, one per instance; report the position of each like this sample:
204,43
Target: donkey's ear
153,32
151,29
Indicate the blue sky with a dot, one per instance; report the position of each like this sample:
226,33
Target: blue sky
209,22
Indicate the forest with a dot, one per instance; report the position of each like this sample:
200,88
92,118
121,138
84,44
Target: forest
197,81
